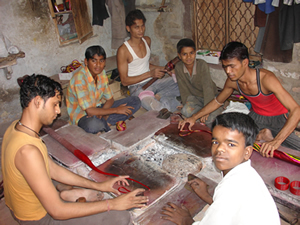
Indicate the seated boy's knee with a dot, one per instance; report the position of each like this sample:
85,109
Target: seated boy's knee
92,125
187,111
136,102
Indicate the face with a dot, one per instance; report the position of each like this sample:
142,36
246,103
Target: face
137,30
50,109
228,148
187,55
234,68
95,64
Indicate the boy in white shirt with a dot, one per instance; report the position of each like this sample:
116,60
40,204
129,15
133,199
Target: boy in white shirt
242,196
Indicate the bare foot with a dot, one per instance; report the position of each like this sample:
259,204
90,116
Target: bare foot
76,193
264,135
180,107
63,187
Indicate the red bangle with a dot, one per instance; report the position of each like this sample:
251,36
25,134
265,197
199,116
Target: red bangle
295,187
282,183
108,209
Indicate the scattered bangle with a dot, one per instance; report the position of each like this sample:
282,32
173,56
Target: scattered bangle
282,183
108,209
218,102
295,187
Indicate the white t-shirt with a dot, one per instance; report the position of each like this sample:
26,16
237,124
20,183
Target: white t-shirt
138,65
241,198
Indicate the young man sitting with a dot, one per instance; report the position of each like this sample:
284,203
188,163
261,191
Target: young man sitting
88,89
135,69
241,197
28,170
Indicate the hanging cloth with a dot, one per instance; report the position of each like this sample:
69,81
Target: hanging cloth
99,12
271,45
118,28
264,5
289,25
129,6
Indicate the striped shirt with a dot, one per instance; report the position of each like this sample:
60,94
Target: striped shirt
84,93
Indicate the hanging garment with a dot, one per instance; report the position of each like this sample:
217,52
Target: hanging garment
271,45
289,26
118,28
264,5
99,12
129,6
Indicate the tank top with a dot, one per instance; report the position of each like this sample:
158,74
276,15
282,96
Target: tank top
138,65
18,195
262,104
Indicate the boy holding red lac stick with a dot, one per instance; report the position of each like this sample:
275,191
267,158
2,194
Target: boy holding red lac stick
28,170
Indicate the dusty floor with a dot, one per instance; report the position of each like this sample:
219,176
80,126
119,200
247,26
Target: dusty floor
6,218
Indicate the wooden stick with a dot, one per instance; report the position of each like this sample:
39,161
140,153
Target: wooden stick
11,57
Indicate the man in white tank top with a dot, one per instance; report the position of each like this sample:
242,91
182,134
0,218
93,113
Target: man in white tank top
135,69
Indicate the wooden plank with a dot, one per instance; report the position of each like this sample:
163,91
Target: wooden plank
81,18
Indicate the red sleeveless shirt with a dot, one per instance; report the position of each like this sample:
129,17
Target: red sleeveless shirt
265,105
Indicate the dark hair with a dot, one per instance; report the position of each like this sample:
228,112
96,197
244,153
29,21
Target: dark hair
234,49
93,50
37,85
134,15
185,42
238,121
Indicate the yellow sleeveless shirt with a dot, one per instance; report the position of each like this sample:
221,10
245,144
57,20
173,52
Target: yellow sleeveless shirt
18,195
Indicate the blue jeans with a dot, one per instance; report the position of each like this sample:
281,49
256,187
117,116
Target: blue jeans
166,88
94,125
194,104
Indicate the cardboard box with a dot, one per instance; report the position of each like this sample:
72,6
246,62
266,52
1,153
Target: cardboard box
117,95
68,76
115,86
208,56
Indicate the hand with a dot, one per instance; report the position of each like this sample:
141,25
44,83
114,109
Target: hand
170,72
178,215
267,148
201,189
182,123
158,72
108,184
204,118
124,109
130,200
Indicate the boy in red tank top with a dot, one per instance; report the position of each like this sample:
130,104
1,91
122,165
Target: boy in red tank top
273,108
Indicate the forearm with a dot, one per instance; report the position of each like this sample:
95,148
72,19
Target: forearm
94,111
289,126
108,104
126,80
152,67
209,108
65,176
67,210
207,198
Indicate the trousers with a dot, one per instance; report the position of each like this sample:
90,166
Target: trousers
167,90
94,124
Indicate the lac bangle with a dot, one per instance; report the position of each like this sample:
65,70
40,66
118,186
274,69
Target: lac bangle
295,187
282,183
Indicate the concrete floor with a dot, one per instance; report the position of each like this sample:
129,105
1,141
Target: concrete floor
6,218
